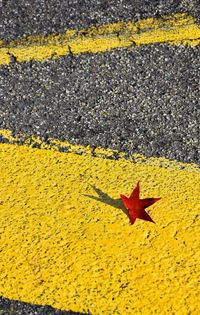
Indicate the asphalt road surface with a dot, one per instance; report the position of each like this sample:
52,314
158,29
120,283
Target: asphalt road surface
138,100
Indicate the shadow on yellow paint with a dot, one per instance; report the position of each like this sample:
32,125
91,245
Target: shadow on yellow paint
105,198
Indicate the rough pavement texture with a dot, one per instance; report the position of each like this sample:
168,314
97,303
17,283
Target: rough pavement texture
143,100
43,17
117,99
67,241
8,307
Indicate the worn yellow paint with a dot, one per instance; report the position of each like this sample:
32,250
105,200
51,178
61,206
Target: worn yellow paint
57,145
174,29
66,242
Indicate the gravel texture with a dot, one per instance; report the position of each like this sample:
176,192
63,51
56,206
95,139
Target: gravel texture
143,100
54,16
8,307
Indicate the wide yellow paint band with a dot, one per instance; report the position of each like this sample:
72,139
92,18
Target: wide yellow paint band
175,29
66,242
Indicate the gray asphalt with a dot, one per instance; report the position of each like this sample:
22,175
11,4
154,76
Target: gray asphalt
143,100
8,307
140,100
42,17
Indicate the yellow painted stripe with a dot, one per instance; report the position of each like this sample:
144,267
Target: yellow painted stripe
66,242
66,146
174,29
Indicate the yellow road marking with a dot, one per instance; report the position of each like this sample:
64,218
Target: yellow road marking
57,145
65,241
174,29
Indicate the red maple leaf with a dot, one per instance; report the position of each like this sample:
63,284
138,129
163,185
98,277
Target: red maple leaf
136,206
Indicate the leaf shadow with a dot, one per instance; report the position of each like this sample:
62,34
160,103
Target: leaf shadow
105,198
